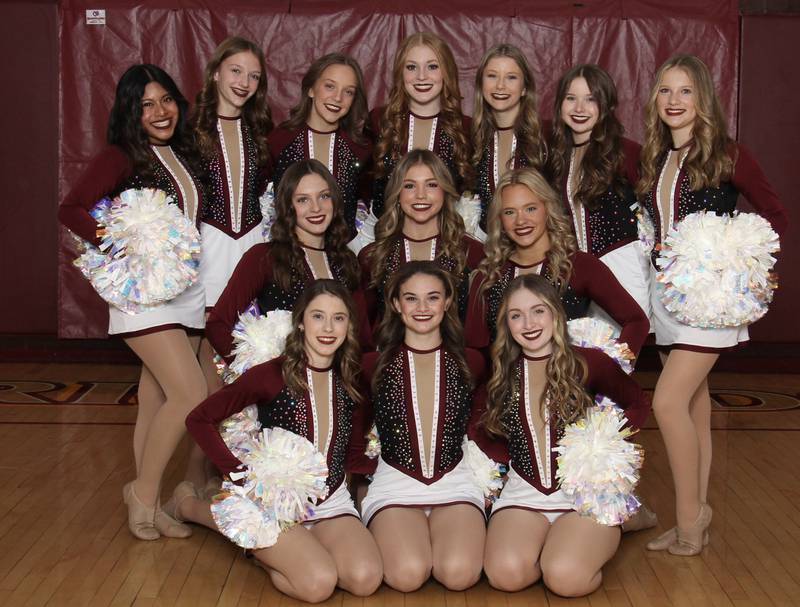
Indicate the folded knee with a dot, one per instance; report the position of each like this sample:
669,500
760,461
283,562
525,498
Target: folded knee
316,585
567,579
511,575
408,575
362,579
457,573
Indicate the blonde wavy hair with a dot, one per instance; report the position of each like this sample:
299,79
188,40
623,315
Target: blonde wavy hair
708,161
390,226
499,247
566,370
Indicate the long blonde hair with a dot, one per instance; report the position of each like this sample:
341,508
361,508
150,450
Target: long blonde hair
708,161
499,247
566,370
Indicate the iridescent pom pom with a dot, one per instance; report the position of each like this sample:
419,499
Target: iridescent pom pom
470,211
597,468
486,473
284,475
149,254
597,334
645,228
257,339
373,449
365,228
716,270
268,213
241,430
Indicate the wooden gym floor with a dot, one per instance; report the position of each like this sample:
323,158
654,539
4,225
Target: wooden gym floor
65,452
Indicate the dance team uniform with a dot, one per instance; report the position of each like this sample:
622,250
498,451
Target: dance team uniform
670,201
231,220
424,133
110,173
323,415
609,232
590,281
533,430
494,163
421,409
346,160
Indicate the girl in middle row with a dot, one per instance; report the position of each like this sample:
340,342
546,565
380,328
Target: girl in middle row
423,112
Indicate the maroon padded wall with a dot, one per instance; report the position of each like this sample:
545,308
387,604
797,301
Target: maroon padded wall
630,38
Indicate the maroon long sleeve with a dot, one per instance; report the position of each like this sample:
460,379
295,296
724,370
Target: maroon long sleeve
750,180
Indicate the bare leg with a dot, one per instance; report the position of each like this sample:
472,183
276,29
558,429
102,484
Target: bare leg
357,558
171,359
575,550
513,543
682,376
404,541
700,410
197,511
150,398
458,537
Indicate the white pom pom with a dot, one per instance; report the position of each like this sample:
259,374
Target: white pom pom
240,430
149,254
486,473
365,228
284,476
597,468
257,339
598,334
268,213
645,228
470,211
716,270
373,449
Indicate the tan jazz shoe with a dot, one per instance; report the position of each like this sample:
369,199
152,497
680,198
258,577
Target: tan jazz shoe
168,519
690,541
643,519
141,518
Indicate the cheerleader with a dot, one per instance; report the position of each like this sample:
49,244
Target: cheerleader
690,164
423,112
313,391
420,223
597,169
506,129
539,384
529,233
309,241
422,507
147,137
327,124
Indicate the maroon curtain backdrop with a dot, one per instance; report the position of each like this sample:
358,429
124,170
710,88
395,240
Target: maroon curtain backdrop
630,38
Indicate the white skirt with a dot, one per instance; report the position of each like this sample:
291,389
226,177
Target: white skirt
221,253
671,332
187,309
391,487
631,267
339,503
519,493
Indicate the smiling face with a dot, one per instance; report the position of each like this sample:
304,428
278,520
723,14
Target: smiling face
159,114
421,196
503,85
524,218
579,110
423,80
237,80
313,207
675,102
422,304
332,96
530,323
325,325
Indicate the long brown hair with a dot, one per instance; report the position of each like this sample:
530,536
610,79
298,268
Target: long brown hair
566,370
603,161
527,125
390,226
391,330
255,113
355,120
708,161
393,136
287,252
346,361
499,247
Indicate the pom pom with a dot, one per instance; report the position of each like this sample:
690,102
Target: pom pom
486,473
365,228
470,211
645,228
149,254
715,271
373,449
597,468
284,475
597,334
258,338
241,430
268,213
